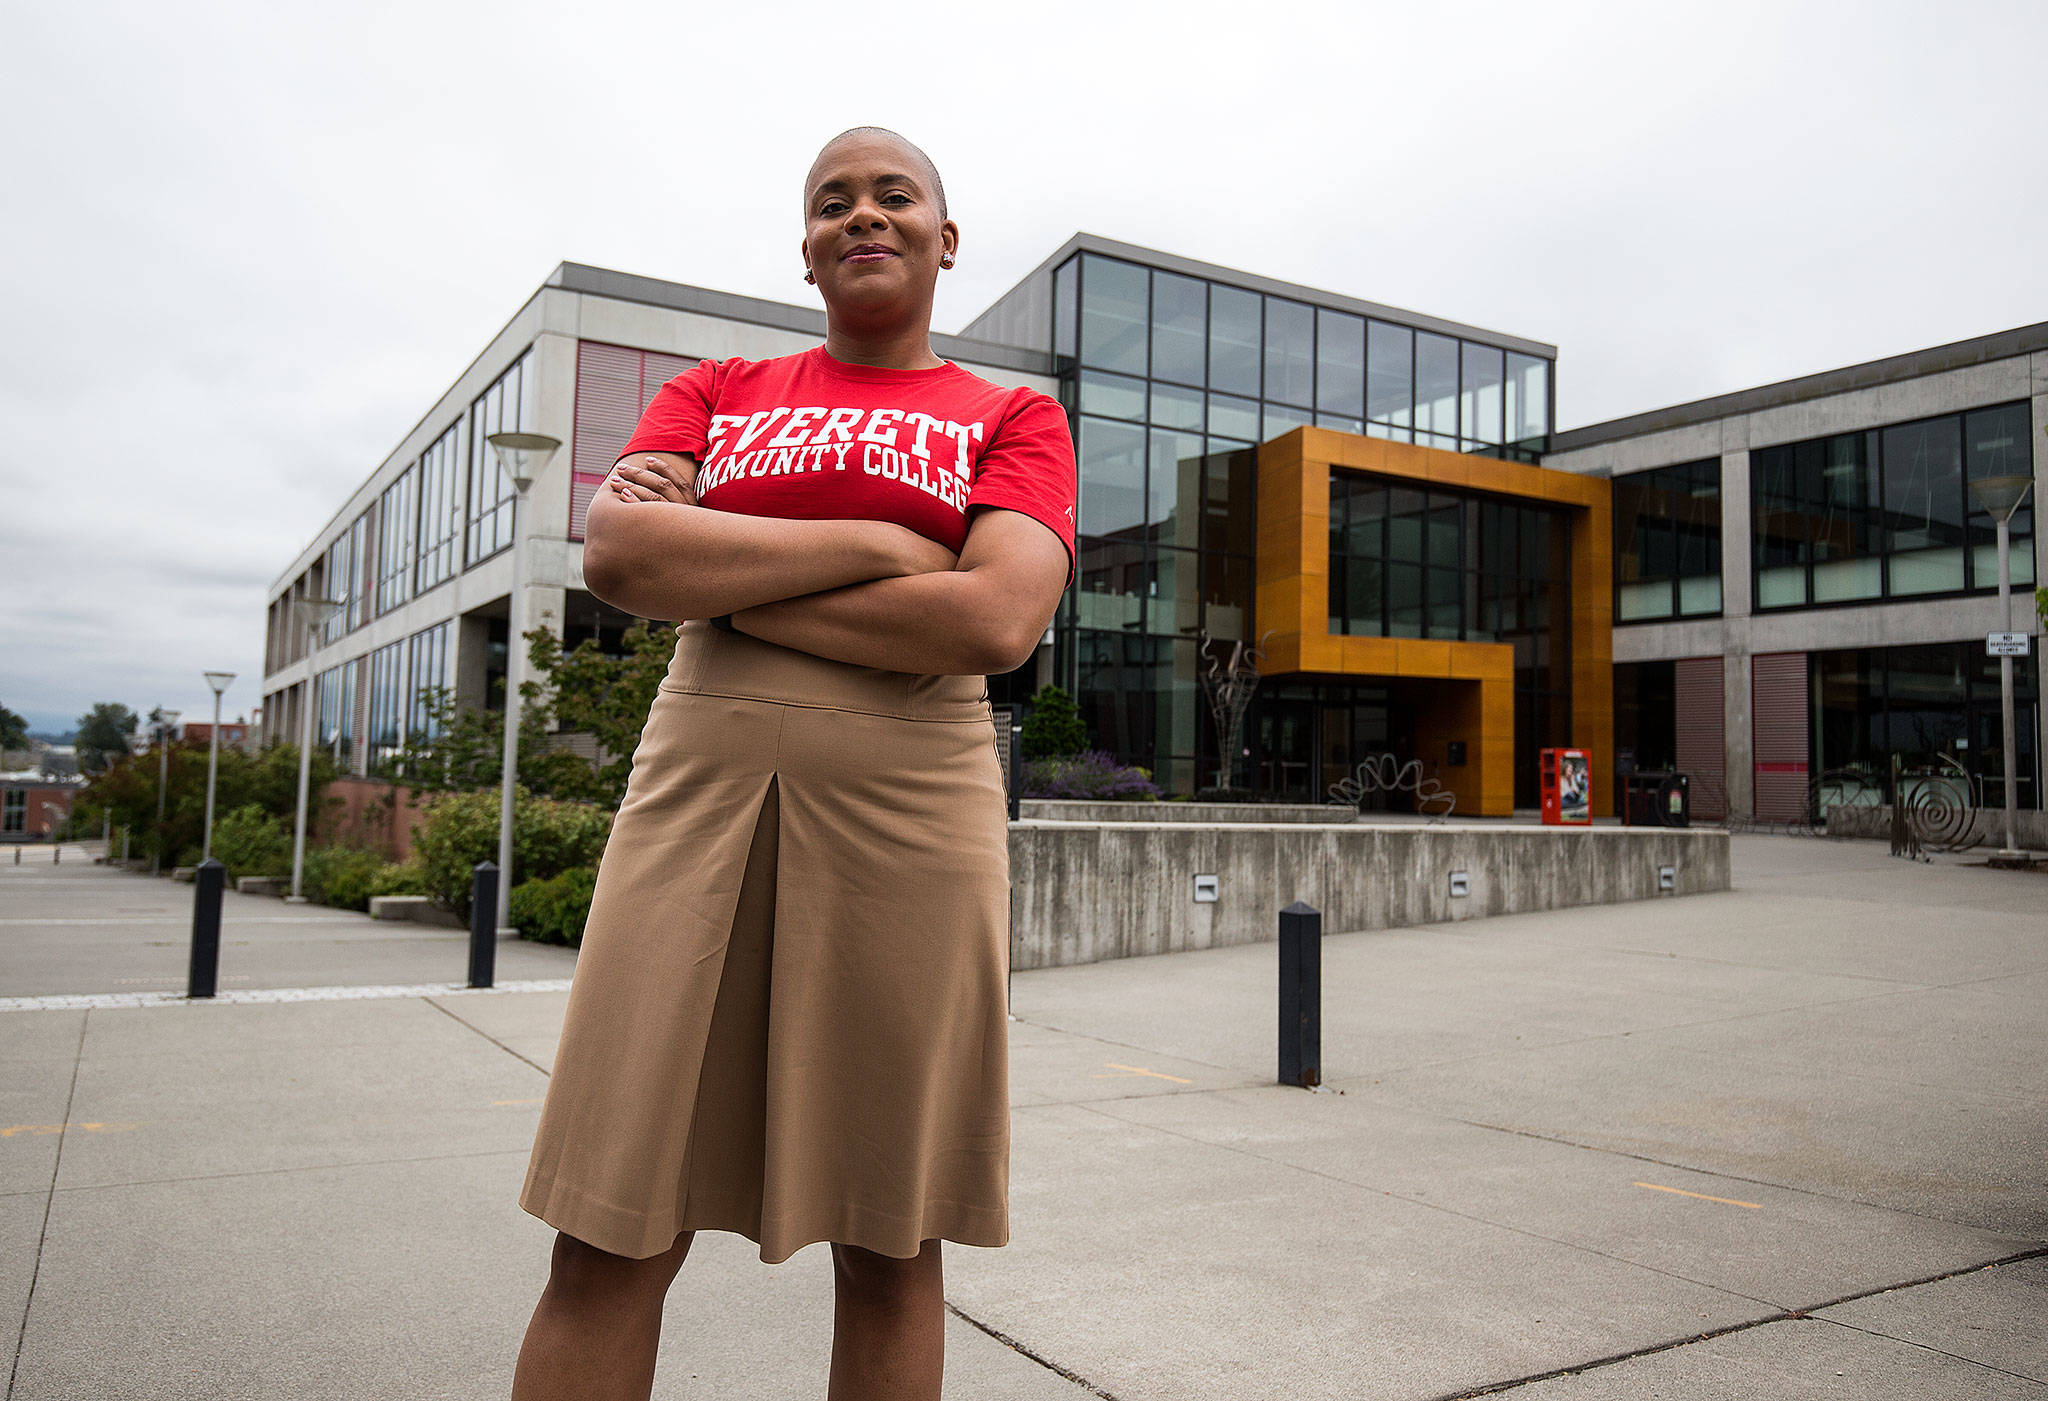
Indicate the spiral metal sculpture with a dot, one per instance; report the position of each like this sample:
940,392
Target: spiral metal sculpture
1385,773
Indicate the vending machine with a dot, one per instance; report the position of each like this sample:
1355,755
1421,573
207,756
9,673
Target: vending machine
1567,778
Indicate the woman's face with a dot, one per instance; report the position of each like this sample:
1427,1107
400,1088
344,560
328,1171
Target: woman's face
873,235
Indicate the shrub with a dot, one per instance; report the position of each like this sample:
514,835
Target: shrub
403,878
554,910
250,842
1053,727
461,829
1093,773
342,876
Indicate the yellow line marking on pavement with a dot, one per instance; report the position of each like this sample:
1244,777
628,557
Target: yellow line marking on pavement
497,1102
34,1130
1128,1070
1725,1201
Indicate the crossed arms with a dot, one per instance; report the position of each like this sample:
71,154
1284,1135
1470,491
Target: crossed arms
872,593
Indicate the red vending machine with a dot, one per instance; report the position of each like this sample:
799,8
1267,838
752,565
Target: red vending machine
1567,777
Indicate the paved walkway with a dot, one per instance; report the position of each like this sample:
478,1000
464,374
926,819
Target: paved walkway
1790,1141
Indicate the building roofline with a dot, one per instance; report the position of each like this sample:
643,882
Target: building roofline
1914,364
1253,282
759,311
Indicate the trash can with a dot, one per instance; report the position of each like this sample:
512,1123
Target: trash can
1658,800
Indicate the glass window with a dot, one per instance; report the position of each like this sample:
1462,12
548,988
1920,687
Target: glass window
1479,400
1109,584
1528,400
1178,333
1234,340
1234,418
1113,315
491,494
1436,387
440,509
1227,496
1112,476
1281,419
1112,396
1340,363
1923,491
1174,407
1407,511
1066,307
1174,485
1390,375
397,538
1340,423
1173,601
1838,486
1995,444
1290,351
1667,542
1445,531
428,663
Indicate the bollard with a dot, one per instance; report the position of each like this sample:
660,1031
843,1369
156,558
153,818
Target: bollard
204,975
1016,746
1301,995
17,854
483,924
57,854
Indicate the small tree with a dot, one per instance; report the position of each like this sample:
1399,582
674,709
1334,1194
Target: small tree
103,735
1053,728
13,730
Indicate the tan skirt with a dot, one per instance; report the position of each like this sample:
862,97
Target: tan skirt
789,1016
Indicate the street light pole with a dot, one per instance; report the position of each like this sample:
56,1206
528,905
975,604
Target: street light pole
313,613
219,681
522,456
2001,496
164,720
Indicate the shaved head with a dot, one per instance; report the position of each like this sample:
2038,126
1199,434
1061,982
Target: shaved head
932,171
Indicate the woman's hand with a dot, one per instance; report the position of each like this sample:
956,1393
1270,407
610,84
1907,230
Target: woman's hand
655,476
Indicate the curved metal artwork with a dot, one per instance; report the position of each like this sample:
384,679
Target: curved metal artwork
1229,684
1936,809
1385,773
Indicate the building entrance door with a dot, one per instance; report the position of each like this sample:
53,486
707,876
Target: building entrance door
1988,764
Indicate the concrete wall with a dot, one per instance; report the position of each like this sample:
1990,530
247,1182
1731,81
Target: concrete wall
1084,892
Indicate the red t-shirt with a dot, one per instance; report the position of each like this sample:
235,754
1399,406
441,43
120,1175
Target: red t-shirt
809,437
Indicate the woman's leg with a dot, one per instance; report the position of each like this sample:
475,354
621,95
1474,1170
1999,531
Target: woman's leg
888,1325
594,1332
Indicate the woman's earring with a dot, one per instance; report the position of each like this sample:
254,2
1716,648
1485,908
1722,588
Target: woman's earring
810,277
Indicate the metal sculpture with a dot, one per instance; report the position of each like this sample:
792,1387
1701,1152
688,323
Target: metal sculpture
1229,686
1385,773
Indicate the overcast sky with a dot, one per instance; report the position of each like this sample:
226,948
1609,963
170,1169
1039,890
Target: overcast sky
246,246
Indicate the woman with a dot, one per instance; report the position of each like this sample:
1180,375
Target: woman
788,1015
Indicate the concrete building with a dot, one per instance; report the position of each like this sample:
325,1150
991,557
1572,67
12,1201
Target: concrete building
1803,583
1375,494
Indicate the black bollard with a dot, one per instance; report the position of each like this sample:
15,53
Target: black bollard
203,978
1301,995
57,854
1015,747
483,924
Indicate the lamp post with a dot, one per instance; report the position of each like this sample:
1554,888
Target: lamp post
523,456
313,614
219,681
2000,497
164,720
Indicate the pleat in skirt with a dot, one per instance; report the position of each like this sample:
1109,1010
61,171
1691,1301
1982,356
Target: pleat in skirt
789,1015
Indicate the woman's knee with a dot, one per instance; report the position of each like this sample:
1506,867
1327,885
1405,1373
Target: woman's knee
579,1269
870,1273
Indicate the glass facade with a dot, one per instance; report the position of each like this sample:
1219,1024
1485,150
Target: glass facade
440,509
491,495
1171,379
335,698
1667,542
397,539
1935,707
1887,512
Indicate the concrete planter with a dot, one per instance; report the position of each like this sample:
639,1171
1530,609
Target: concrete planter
1084,892
416,909
1075,810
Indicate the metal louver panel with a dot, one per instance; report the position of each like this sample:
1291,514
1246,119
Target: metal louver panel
1702,739
1778,705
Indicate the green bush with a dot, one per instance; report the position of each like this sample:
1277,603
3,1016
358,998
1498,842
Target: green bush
461,829
1053,728
250,842
342,876
405,878
554,911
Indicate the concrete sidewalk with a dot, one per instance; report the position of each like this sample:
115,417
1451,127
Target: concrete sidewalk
1765,1144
